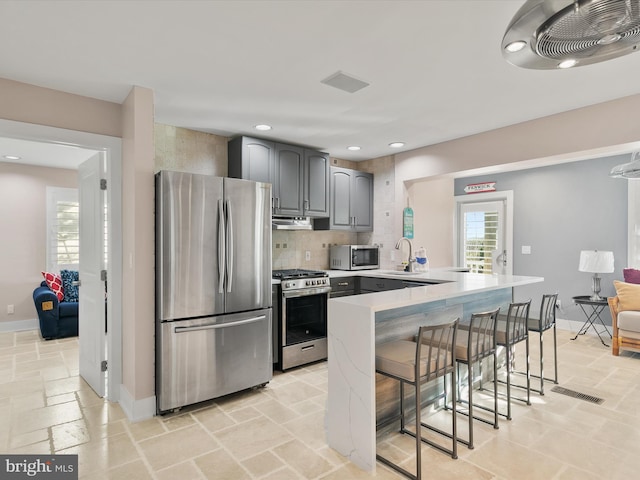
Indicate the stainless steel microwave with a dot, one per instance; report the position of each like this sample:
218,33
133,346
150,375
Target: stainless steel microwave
354,257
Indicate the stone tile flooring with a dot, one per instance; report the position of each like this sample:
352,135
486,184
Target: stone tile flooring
278,432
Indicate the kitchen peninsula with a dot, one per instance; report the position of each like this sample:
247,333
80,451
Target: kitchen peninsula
357,323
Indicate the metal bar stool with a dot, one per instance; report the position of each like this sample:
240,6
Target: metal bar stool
546,321
430,357
511,330
474,343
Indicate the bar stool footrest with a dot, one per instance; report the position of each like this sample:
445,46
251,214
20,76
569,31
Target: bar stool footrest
397,468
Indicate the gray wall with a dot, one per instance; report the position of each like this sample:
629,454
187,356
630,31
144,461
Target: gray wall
558,211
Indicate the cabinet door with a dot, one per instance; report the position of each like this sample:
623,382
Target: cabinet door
288,182
340,199
362,201
316,184
374,284
251,159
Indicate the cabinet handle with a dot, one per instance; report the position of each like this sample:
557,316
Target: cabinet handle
305,205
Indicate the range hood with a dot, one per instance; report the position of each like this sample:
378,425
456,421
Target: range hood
291,223
549,34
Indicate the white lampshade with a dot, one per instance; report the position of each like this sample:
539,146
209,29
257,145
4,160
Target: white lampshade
596,261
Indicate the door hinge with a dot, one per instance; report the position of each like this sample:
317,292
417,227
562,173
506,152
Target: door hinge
103,184
103,275
103,366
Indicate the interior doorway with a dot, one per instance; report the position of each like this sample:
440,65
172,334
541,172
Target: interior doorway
111,148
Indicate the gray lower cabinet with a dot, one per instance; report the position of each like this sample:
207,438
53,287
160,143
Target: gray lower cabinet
356,285
299,176
374,284
351,201
343,287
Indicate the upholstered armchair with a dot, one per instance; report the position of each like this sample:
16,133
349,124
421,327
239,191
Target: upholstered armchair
625,317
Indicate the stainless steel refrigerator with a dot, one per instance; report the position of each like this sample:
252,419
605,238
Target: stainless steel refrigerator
213,287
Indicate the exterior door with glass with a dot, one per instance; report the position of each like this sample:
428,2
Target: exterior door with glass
484,233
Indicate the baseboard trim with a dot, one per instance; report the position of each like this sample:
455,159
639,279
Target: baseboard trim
136,410
19,325
574,326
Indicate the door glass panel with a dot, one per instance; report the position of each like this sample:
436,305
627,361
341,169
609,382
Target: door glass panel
481,236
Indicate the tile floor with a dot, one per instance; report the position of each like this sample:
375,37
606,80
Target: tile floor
278,432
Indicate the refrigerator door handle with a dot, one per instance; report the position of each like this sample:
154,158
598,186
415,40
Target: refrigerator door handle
221,247
230,241
218,325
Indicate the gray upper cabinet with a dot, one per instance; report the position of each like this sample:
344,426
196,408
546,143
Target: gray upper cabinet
362,204
288,180
299,176
351,201
316,183
251,159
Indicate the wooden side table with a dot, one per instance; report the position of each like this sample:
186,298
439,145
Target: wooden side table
592,314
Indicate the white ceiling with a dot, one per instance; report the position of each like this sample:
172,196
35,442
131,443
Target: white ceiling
435,68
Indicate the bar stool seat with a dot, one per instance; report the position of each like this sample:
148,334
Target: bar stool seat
430,357
397,359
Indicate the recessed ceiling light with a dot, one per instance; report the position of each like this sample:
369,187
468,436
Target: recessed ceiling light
567,63
353,148
396,144
515,46
11,157
262,127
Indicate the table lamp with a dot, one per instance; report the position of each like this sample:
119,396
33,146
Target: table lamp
594,261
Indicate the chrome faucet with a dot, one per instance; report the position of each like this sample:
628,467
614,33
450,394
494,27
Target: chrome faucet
410,261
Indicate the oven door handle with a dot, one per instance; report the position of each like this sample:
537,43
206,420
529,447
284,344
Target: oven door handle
306,292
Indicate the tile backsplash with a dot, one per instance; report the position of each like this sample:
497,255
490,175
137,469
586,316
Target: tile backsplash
289,248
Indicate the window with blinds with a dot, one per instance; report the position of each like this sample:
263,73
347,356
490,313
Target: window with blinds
63,229
480,239
67,240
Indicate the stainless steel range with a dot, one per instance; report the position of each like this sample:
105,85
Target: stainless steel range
300,332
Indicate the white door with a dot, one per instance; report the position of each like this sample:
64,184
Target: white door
484,233
91,321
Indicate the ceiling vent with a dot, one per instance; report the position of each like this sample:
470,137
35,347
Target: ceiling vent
342,81
549,34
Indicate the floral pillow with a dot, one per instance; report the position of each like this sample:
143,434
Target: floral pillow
70,290
54,282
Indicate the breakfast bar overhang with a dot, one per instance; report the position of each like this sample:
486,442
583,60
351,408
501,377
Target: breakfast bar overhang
357,323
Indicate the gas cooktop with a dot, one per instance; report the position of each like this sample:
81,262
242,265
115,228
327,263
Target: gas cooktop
297,273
